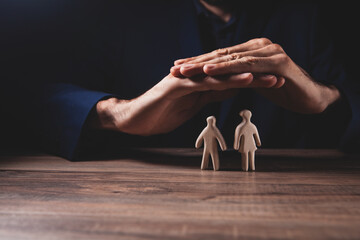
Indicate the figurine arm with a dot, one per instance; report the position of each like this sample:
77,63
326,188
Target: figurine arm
199,140
257,138
221,140
237,138
242,139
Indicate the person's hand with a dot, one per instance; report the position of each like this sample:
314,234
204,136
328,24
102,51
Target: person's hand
292,88
167,105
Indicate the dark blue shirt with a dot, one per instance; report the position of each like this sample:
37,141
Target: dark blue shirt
101,47
214,32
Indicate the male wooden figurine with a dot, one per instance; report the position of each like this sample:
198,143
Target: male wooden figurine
245,134
210,135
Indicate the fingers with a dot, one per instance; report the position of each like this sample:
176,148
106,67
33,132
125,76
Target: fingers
219,83
267,81
245,65
189,70
279,83
233,81
179,87
203,58
247,46
274,64
193,68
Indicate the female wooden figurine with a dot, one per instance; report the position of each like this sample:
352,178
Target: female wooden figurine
210,135
245,134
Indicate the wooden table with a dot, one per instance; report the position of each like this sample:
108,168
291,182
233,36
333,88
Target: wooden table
163,194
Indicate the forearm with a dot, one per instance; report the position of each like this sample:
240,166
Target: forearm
145,115
136,116
165,106
316,97
301,93
294,89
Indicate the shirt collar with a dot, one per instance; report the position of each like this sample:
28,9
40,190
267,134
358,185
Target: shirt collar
202,11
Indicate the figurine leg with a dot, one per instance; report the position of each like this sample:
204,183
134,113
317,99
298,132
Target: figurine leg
205,159
245,161
252,160
215,160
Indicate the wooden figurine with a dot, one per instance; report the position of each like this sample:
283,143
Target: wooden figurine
246,135
210,136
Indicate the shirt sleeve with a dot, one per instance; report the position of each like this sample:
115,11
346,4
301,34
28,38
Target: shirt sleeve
350,140
340,121
61,114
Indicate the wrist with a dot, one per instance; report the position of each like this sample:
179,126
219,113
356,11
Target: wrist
330,95
106,111
317,97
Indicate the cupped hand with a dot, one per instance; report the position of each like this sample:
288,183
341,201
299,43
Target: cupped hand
276,76
168,104
231,60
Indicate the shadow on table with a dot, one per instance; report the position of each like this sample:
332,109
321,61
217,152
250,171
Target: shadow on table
267,160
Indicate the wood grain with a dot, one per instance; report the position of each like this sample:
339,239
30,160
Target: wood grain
163,194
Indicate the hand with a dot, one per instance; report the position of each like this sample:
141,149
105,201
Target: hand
167,105
201,64
290,86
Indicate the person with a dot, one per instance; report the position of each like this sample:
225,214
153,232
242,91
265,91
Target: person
210,135
148,73
246,139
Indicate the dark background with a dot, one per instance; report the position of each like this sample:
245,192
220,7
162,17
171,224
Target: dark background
34,33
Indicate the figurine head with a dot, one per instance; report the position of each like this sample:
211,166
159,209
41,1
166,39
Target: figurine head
211,120
245,114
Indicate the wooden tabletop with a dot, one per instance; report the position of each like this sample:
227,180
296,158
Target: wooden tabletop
163,194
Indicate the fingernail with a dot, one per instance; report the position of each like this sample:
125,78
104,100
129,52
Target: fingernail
187,66
178,62
268,76
175,68
245,75
210,66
